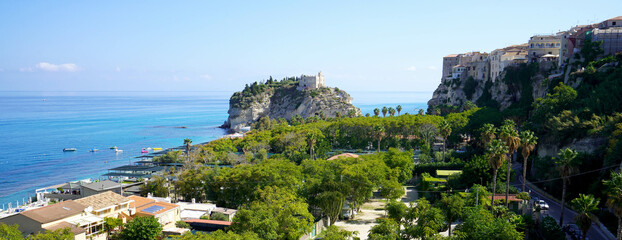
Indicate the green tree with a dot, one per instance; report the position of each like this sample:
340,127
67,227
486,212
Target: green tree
188,143
182,224
392,189
218,216
429,220
401,163
509,135
219,235
142,228
157,186
276,214
566,165
445,130
428,132
481,224
331,203
420,112
376,112
487,133
584,205
10,232
111,224
391,111
399,109
378,133
312,135
614,197
452,207
58,234
387,229
528,142
478,196
396,210
496,153
384,111
335,233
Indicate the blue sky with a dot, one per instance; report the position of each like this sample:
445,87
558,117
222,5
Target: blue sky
221,45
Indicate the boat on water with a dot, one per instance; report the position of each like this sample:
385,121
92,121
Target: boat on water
69,149
118,150
144,151
157,149
115,147
94,150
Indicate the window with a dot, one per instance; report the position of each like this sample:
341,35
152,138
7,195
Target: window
613,23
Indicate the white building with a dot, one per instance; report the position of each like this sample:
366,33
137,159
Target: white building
311,82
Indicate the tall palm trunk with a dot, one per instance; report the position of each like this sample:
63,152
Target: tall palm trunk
444,149
507,187
379,144
494,187
561,216
525,157
449,227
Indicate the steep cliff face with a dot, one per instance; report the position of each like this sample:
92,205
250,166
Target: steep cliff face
502,93
287,102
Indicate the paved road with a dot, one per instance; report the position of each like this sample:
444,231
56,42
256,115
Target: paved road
595,233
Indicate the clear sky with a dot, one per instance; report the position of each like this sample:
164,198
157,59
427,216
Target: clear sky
221,45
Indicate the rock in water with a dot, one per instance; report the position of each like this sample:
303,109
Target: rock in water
283,100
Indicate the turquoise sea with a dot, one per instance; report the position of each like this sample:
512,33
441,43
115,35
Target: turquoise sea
36,126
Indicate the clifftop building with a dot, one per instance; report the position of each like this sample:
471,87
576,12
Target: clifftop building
311,82
540,45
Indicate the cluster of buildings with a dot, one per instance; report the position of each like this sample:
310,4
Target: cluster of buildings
560,48
86,216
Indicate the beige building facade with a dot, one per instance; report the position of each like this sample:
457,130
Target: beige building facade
311,82
540,45
67,214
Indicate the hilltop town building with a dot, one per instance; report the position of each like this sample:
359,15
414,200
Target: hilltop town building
311,82
501,58
572,41
449,62
610,33
540,45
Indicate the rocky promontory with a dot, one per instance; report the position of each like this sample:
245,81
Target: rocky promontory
285,99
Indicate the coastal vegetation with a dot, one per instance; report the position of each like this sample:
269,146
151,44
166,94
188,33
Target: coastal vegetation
283,162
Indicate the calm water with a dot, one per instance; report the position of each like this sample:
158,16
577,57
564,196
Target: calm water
35,127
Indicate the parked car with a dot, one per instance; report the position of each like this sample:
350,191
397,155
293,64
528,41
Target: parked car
543,205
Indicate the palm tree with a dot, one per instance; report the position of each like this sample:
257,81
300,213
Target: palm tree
584,205
566,166
352,113
311,142
528,142
445,130
420,111
384,111
488,133
399,109
378,131
509,135
496,152
614,198
188,143
376,112
391,111
452,207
